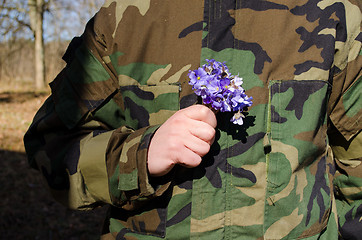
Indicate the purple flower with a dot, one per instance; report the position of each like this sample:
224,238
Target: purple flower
214,87
219,89
237,118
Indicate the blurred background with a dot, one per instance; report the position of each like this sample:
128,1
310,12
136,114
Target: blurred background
34,35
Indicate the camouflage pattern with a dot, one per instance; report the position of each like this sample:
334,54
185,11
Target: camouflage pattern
293,170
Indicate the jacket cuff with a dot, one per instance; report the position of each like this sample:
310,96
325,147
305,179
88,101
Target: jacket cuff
129,179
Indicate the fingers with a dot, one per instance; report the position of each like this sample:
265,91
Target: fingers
188,158
183,139
203,131
197,145
201,113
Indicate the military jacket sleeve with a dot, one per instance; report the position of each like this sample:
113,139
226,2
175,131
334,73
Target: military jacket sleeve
345,128
91,136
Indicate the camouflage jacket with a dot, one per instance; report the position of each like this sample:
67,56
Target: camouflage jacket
293,170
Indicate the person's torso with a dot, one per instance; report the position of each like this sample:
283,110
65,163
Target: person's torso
269,178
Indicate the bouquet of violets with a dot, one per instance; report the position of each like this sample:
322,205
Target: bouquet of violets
220,90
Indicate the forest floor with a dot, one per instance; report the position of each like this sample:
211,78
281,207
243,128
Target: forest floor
27,210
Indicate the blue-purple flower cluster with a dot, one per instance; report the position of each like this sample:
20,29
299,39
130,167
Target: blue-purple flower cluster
219,89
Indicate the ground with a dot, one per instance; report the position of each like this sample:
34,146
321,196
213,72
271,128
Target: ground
27,211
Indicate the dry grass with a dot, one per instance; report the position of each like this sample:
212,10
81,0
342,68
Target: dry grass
27,211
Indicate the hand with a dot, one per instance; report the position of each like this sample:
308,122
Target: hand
183,139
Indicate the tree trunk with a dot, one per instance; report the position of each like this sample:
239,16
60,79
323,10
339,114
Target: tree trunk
36,14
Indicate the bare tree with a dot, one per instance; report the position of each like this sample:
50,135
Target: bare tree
36,13
13,18
45,24
17,18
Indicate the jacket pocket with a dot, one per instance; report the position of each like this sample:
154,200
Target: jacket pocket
298,125
146,105
299,190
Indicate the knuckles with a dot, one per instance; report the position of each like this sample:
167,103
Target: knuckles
190,162
204,111
204,150
211,134
173,144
